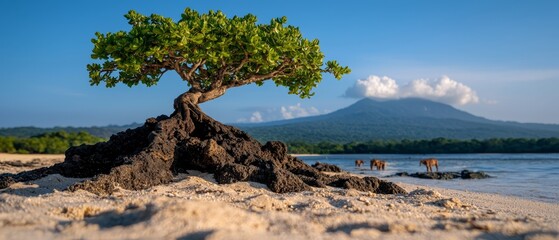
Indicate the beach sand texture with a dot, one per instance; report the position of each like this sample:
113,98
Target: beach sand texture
195,207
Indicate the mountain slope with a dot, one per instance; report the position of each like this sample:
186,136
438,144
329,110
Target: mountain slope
369,119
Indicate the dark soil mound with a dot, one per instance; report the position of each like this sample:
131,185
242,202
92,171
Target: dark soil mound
465,174
325,167
188,139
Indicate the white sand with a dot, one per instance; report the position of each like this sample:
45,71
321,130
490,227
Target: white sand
12,163
194,207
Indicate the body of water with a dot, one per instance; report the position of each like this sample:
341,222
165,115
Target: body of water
532,176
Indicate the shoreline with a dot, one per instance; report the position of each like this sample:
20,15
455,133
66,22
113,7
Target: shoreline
500,202
194,206
27,157
306,155
400,181
526,176
49,159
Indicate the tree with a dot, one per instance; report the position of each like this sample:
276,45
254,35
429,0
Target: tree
7,145
212,53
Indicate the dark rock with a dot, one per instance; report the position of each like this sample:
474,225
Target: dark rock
366,184
400,174
465,174
436,175
6,181
361,184
189,139
231,173
390,188
325,167
283,181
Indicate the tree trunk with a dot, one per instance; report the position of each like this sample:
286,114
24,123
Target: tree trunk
196,96
189,139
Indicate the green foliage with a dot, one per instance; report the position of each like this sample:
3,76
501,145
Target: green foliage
348,128
7,145
51,143
437,145
210,51
102,132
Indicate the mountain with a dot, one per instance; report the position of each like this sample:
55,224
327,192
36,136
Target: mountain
364,120
410,118
104,132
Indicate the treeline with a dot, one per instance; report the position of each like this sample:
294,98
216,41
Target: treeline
52,143
59,142
437,145
104,132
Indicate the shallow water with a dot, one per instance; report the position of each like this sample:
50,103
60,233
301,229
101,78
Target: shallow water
532,176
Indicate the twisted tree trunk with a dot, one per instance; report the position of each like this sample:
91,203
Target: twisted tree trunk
189,139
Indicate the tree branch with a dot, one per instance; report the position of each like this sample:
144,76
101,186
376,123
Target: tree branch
181,69
162,72
194,67
241,64
259,77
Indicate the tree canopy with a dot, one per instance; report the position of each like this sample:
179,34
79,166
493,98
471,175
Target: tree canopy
211,53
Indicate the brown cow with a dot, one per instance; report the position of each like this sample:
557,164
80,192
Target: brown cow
429,163
378,163
359,162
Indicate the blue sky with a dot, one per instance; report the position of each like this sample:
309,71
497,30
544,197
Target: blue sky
501,55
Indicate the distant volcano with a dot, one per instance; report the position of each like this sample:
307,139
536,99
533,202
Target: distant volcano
410,118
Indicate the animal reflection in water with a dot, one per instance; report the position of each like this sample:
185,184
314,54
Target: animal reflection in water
429,163
379,164
359,162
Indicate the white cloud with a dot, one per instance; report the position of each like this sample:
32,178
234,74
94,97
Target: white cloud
256,117
284,112
374,86
296,111
443,90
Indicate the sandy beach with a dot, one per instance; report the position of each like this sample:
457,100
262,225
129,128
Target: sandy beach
195,207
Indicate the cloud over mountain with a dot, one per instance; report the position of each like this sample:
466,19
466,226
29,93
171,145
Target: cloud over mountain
284,112
256,117
443,90
296,111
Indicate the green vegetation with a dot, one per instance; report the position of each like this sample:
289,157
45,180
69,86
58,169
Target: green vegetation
211,52
102,132
51,143
437,145
59,142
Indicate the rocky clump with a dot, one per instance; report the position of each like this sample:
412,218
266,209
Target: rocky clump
465,174
189,139
325,167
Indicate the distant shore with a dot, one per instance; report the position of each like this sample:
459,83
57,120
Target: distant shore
13,163
194,206
305,155
27,157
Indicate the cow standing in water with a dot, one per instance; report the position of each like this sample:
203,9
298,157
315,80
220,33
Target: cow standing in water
429,163
379,164
359,162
